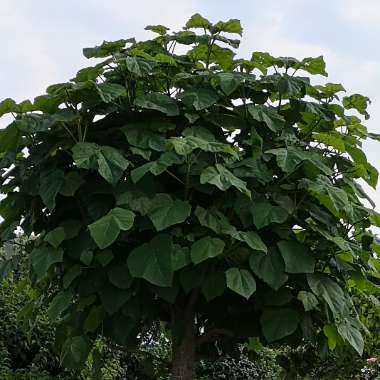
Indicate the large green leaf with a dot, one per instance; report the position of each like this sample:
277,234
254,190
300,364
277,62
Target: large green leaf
71,275
33,122
10,138
181,257
230,26
7,105
332,197
199,98
75,352
185,145
145,136
83,75
252,168
137,66
297,257
215,221
292,86
214,285
279,323
222,178
85,155
43,257
55,237
111,164
157,167
358,102
94,319
308,300
158,102
73,181
261,61
159,29
328,290
165,212
106,49
349,331
153,261
264,214
267,115
86,257
50,185
331,139
252,239
206,248
229,82
197,21
332,335
241,282
113,298
357,155
288,159
218,223
106,229
119,276
227,121
314,65
107,160
141,171
269,267
109,92
59,304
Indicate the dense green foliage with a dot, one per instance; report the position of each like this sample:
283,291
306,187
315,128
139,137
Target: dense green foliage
28,350
27,342
216,195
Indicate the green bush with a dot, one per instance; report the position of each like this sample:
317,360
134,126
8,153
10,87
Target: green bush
27,347
27,350
264,367
27,336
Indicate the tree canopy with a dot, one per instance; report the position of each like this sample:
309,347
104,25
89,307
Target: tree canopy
172,181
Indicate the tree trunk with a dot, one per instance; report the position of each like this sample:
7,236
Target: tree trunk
184,347
184,359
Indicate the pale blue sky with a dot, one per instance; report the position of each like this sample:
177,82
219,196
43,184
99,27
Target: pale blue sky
42,40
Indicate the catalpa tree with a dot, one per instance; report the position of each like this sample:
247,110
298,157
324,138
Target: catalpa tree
216,195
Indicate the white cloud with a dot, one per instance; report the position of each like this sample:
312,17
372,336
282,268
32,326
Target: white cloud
169,13
26,58
364,12
44,40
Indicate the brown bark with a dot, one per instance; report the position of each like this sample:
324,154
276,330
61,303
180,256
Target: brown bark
184,347
184,358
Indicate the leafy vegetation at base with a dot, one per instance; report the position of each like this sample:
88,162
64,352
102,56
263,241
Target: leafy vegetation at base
28,351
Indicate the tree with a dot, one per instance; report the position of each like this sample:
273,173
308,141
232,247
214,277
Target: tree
216,195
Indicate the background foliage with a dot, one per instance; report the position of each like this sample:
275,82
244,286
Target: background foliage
28,351
27,348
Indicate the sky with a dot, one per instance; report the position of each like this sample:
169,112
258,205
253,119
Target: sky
41,40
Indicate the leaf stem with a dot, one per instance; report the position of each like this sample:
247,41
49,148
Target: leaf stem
209,52
70,133
174,176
